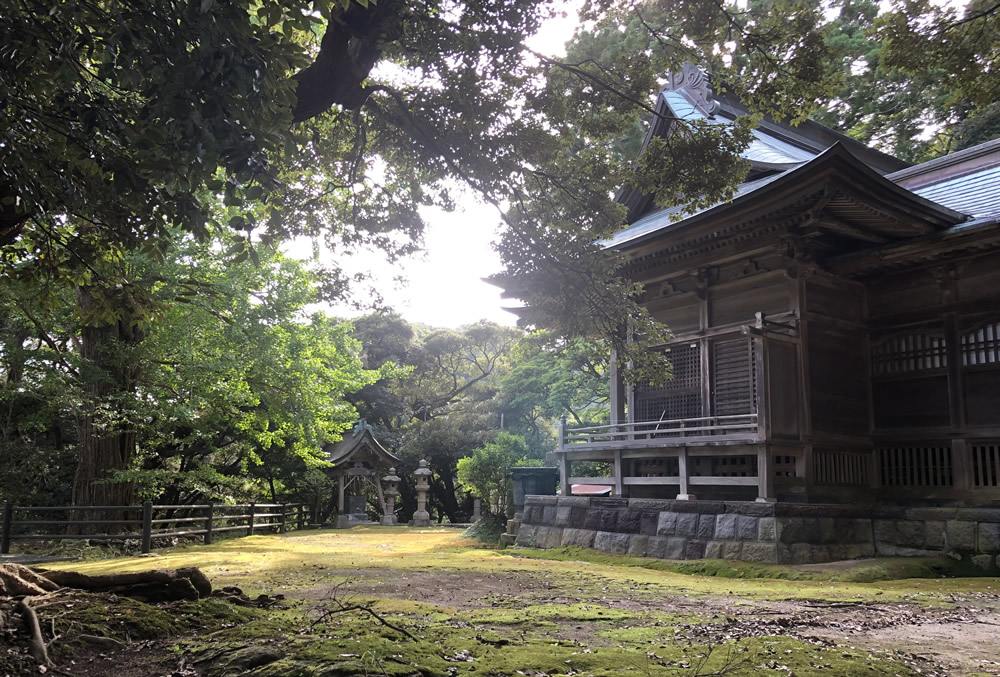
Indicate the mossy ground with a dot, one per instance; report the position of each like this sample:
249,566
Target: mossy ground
484,611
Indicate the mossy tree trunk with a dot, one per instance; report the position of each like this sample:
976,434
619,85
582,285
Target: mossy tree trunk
110,374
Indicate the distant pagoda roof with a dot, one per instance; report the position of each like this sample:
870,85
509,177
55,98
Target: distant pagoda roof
360,440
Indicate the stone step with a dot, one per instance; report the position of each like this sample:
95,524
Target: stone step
513,526
507,539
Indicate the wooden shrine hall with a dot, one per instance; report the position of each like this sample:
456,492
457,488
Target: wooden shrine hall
836,327
358,463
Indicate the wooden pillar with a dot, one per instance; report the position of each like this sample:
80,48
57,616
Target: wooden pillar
682,471
617,386
209,523
765,475
281,518
561,433
961,462
8,521
147,528
619,472
381,496
340,493
564,488
251,509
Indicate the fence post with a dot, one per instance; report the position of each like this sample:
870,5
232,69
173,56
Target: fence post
302,517
208,523
281,520
250,520
147,527
8,518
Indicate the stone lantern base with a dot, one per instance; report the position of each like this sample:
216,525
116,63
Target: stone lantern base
421,518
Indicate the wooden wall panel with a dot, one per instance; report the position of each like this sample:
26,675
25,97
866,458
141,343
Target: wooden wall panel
734,303
784,398
838,381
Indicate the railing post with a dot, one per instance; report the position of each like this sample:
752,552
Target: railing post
561,435
564,475
209,519
682,472
147,527
302,517
8,519
281,519
252,508
765,475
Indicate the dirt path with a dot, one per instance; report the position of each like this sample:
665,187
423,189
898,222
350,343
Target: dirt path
952,640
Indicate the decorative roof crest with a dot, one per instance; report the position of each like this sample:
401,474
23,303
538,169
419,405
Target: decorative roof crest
695,82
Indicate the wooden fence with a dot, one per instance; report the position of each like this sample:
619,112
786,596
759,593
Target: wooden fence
145,522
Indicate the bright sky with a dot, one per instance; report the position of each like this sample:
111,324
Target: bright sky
444,285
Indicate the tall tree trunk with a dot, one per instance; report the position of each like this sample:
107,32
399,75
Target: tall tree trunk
110,371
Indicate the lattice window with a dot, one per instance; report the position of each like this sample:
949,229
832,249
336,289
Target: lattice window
981,345
916,466
784,466
677,398
724,466
655,467
986,464
908,353
734,383
833,467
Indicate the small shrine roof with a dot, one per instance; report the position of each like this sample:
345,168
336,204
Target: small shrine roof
359,439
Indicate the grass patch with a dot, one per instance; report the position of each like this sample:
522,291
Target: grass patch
487,530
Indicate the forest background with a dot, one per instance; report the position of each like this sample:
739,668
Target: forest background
156,342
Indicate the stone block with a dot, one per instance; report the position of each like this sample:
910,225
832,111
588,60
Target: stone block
648,523
982,561
656,546
801,553
753,509
700,507
528,515
866,549
611,542
713,550
959,535
534,499
573,501
863,530
592,520
889,512
675,547
789,529
628,521
666,524
638,545
583,538
695,549
526,535
759,552
549,515
548,537
746,528
766,529
885,531
609,520
650,504
578,516
564,516
612,503
827,530
810,530
989,537
836,552
979,514
731,549
934,533
725,527
821,553
911,533
687,524
938,514
706,526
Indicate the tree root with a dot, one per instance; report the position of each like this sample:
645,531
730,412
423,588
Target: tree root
39,651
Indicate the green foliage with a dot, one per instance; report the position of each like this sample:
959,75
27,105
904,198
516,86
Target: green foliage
487,471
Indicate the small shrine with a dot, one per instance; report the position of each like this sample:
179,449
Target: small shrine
359,462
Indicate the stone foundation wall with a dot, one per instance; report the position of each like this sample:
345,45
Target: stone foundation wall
758,532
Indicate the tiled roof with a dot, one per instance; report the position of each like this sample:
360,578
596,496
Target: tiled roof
977,193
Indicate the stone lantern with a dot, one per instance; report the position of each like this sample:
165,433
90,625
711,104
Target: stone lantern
391,492
422,518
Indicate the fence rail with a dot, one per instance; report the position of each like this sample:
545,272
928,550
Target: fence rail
214,518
